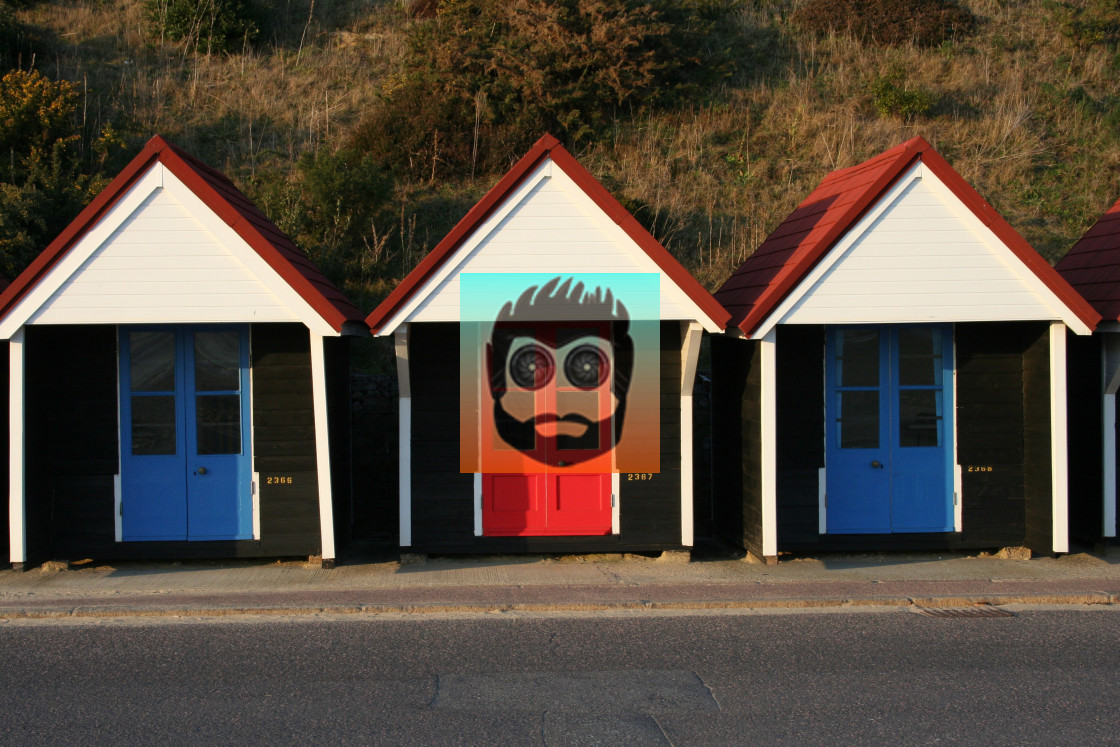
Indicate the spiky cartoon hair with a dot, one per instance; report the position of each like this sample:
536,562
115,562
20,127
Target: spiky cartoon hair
564,299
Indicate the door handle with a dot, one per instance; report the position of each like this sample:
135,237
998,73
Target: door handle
876,464
202,470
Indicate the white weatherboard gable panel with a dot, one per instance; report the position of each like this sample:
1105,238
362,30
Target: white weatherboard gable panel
920,256
161,255
547,225
162,265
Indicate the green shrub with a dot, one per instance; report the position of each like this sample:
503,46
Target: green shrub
328,208
483,79
44,180
204,25
1088,24
926,23
894,98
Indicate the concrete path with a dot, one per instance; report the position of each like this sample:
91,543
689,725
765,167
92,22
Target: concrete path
551,583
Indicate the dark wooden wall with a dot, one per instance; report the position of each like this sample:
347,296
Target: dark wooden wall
337,354
443,498
737,441
1037,473
71,444
284,441
1084,392
72,447
800,405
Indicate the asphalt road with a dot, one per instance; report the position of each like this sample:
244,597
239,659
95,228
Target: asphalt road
1044,676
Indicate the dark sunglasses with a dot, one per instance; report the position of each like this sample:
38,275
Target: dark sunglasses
532,366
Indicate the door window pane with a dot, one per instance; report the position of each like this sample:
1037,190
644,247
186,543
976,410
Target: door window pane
857,353
218,418
919,357
859,420
153,425
217,361
152,364
919,417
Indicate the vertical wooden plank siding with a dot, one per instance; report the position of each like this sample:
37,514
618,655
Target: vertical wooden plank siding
800,431
284,440
737,441
1038,450
990,430
1088,429
337,358
17,537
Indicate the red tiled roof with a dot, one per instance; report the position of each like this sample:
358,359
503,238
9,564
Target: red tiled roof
546,147
783,260
228,202
1092,266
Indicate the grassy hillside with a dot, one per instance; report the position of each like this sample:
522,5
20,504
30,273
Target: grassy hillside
1026,109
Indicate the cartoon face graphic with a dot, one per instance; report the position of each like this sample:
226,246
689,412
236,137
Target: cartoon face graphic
559,387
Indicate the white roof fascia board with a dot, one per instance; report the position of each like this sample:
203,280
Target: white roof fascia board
1014,264
256,264
643,261
102,230
549,170
1045,296
466,248
837,251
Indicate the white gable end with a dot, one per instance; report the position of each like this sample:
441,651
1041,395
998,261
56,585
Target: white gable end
920,256
158,256
547,225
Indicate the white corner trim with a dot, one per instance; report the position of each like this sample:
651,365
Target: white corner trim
118,521
1059,473
822,501
404,436
17,529
477,504
256,505
1108,453
958,498
616,503
691,332
958,473
1111,380
322,445
769,426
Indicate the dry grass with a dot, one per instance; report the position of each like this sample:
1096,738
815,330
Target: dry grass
1023,116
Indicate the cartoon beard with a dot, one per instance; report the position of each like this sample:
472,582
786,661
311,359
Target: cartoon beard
524,436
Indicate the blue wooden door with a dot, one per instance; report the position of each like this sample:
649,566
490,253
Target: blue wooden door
889,452
185,463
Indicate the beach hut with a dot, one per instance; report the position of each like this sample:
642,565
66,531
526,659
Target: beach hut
1092,266
178,382
895,376
546,353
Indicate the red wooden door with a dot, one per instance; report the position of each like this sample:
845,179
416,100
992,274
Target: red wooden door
559,379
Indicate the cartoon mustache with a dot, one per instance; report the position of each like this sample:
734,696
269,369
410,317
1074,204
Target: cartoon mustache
550,417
